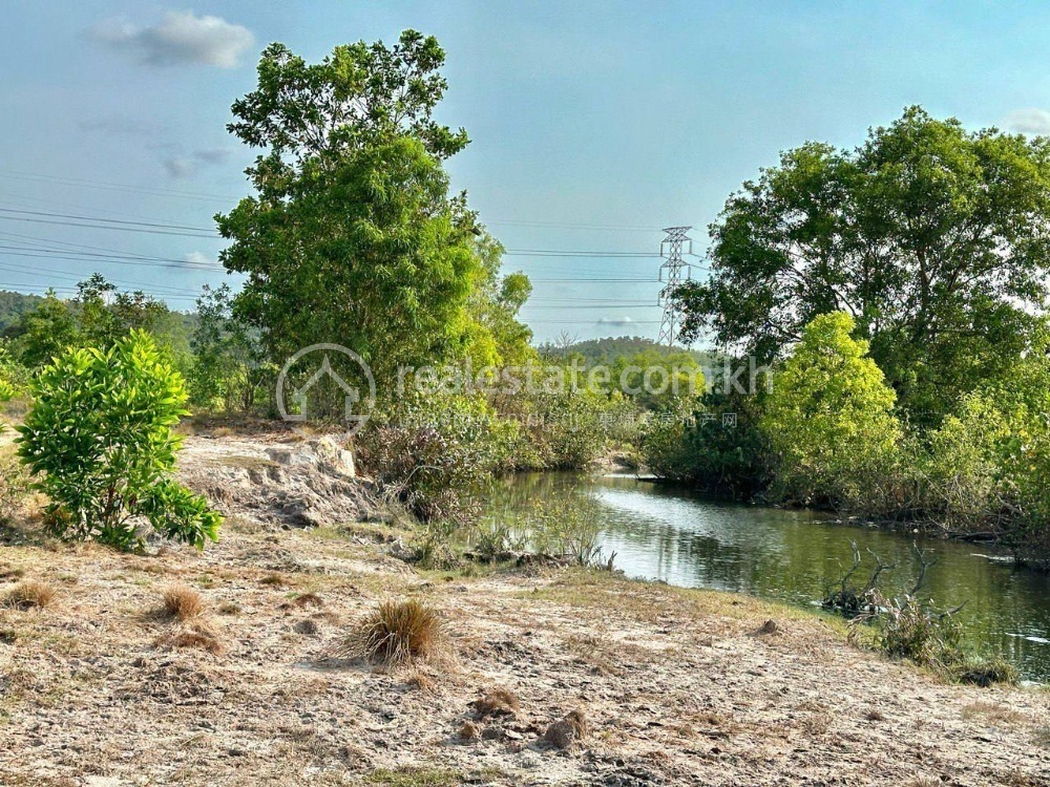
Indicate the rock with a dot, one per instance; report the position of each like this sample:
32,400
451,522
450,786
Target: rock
306,484
469,731
493,733
564,733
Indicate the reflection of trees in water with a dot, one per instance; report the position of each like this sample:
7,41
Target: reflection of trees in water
663,533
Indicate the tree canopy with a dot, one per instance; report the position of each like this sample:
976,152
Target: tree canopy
935,239
353,236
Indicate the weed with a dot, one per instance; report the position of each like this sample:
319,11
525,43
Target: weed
985,673
182,602
415,777
496,702
30,594
198,635
397,632
993,713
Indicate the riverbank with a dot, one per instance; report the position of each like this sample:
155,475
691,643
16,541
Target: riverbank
676,686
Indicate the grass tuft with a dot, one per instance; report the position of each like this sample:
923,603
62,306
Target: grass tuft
496,702
30,594
183,603
397,632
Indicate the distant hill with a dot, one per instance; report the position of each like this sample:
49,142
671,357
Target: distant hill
608,349
13,305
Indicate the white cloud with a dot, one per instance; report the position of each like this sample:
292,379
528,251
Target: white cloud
1034,122
619,322
198,258
184,166
180,37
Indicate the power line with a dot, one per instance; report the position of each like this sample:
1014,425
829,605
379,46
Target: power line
108,221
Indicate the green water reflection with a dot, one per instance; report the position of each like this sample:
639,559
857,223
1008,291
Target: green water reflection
662,532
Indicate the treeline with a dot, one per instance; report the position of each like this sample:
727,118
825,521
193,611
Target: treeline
898,293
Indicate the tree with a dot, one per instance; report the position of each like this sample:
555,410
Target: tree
829,419
44,331
226,372
99,440
936,240
352,236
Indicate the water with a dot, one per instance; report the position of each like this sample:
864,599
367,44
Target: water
664,532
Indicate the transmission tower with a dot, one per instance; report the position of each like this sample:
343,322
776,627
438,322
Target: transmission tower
673,249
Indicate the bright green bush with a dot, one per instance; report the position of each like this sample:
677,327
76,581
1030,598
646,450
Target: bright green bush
99,440
829,420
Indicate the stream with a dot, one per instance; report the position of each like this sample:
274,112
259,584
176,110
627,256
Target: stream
664,532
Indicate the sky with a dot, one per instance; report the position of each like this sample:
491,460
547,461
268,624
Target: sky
593,124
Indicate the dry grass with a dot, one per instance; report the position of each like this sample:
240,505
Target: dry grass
199,635
496,702
992,713
183,603
30,594
397,632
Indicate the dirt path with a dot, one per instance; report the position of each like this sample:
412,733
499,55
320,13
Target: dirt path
677,687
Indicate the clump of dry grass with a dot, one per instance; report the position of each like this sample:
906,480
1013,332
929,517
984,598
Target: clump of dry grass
183,603
308,600
30,594
496,702
199,635
397,632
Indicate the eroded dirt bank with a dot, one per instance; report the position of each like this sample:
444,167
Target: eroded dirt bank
677,687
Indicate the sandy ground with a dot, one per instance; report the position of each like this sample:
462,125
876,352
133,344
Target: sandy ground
676,686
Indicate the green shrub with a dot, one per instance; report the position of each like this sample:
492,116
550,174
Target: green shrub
99,440
829,420
433,455
988,672
910,629
717,447
570,429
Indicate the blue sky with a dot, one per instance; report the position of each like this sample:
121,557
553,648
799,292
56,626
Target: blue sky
621,117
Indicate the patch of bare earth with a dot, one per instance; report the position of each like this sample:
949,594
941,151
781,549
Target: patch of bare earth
565,677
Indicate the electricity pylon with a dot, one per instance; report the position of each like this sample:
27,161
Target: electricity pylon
671,249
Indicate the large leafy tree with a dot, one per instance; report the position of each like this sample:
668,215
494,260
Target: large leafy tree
935,239
352,236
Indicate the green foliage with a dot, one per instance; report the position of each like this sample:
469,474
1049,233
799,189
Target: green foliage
11,376
908,628
564,528
568,430
353,236
829,419
715,445
99,440
434,454
359,93
226,373
13,305
937,240
44,332
97,316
